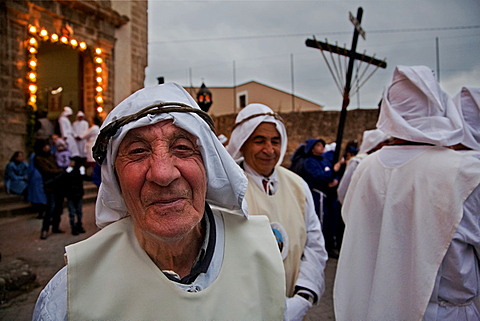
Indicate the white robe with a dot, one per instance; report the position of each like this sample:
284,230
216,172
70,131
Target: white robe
396,237
68,134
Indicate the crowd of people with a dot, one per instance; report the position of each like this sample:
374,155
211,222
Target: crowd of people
56,170
200,226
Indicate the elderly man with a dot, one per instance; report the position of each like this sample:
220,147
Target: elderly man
411,214
163,253
258,142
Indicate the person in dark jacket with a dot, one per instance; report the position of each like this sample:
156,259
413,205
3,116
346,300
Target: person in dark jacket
16,180
36,193
75,175
53,177
322,177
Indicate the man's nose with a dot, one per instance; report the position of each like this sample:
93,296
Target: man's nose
162,170
268,148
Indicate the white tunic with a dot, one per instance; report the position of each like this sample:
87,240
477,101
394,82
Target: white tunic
396,238
68,134
306,244
79,127
227,278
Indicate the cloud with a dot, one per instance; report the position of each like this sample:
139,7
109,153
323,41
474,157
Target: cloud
191,41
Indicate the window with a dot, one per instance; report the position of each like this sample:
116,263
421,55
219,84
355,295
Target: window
242,99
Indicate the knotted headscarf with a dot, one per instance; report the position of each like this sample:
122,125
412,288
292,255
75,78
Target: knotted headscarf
468,101
414,108
247,121
226,183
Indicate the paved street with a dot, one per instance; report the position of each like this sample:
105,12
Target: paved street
20,238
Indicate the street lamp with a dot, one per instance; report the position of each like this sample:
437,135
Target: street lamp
204,98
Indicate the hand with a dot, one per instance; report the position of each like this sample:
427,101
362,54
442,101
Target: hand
82,170
69,169
297,307
333,183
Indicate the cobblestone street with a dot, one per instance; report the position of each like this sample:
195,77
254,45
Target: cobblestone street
20,239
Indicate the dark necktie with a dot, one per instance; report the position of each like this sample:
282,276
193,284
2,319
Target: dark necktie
265,187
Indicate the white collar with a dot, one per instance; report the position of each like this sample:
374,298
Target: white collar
272,182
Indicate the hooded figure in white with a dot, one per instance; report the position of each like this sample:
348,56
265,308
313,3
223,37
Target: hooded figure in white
287,201
468,101
101,268
79,127
67,132
371,141
411,214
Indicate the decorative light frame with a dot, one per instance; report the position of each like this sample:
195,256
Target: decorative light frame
41,34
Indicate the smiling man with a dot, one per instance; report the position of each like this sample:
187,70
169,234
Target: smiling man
163,252
258,143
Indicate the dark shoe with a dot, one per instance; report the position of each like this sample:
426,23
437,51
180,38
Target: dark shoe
57,231
80,230
74,231
43,235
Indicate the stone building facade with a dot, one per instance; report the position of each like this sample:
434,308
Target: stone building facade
89,55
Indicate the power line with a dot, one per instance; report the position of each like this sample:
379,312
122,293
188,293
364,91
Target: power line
322,33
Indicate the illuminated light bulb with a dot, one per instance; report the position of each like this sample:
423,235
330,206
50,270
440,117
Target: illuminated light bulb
99,99
74,43
83,45
54,37
33,99
64,40
43,33
32,29
32,41
98,60
99,80
99,109
32,63
32,50
32,88
99,89
98,51
98,70
32,76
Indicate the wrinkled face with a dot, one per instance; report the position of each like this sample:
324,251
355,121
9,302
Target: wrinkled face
163,180
262,149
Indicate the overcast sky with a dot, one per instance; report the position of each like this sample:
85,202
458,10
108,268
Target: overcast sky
232,42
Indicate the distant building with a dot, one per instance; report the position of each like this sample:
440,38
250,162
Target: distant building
230,100
88,55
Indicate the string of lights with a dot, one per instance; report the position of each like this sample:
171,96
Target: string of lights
37,35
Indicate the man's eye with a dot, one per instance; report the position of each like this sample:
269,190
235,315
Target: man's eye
183,148
136,152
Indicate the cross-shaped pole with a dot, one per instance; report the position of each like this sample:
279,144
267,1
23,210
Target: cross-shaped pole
353,55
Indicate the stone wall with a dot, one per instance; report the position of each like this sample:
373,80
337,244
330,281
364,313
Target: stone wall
316,124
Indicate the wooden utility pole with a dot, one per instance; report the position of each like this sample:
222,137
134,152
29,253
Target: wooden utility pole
353,55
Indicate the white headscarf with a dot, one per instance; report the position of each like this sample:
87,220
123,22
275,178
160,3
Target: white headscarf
243,131
226,183
468,101
67,111
371,138
80,114
414,108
